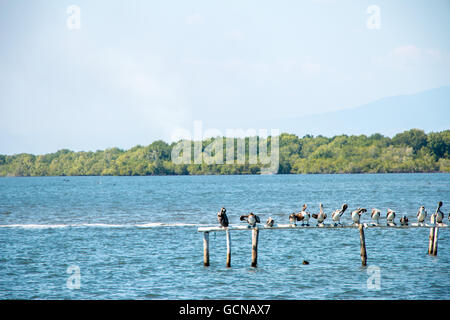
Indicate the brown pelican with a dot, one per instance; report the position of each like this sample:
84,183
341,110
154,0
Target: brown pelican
222,217
390,216
292,219
375,215
303,216
404,221
356,215
251,218
269,222
337,214
421,215
321,216
439,214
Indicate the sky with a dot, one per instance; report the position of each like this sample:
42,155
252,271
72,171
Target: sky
132,72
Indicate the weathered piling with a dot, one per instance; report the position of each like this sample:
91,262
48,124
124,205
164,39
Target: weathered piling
363,245
228,249
255,234
435,241
432,247
206,249
431,241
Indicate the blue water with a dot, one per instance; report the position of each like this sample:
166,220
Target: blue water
136,238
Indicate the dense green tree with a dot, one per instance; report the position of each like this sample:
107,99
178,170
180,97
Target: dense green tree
409,151
414,138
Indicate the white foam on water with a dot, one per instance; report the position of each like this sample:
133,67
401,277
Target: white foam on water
161,224
100,225
34,226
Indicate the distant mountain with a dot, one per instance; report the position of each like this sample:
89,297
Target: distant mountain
428,110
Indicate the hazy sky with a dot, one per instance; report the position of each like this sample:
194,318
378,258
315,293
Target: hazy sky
137,70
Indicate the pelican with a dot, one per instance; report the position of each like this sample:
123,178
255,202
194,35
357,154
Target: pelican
356,215
375,215
269,222
303,216
251,218
222,217
390,216
321,216
404,221
439,214
337,214
292,219
422,215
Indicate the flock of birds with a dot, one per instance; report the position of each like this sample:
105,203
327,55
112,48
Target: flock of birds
303,216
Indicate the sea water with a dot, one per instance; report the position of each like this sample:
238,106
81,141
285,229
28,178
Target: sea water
137,238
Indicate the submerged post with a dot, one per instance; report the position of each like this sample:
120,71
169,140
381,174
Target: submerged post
363,245
228,249
255,233
206,249
431,241
435,241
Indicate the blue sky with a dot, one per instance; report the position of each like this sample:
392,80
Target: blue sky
138,70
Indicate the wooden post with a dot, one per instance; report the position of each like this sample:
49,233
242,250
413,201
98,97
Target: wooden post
228,249
431,241
255,233
206,249
435,241
363,245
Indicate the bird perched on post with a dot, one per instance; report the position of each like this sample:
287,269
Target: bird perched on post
222,217
390,216
303,216
251,219
404,221
421,215
337,214
292,219
321,216
439,214
356,215
375,215
270,222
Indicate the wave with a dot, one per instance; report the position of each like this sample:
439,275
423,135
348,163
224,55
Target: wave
34,226
101,225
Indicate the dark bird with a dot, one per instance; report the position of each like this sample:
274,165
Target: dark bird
222,217
302,216
439,214
404,221
305,262
270,222
251,218
292,219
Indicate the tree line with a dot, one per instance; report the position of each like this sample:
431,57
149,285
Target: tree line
409,151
